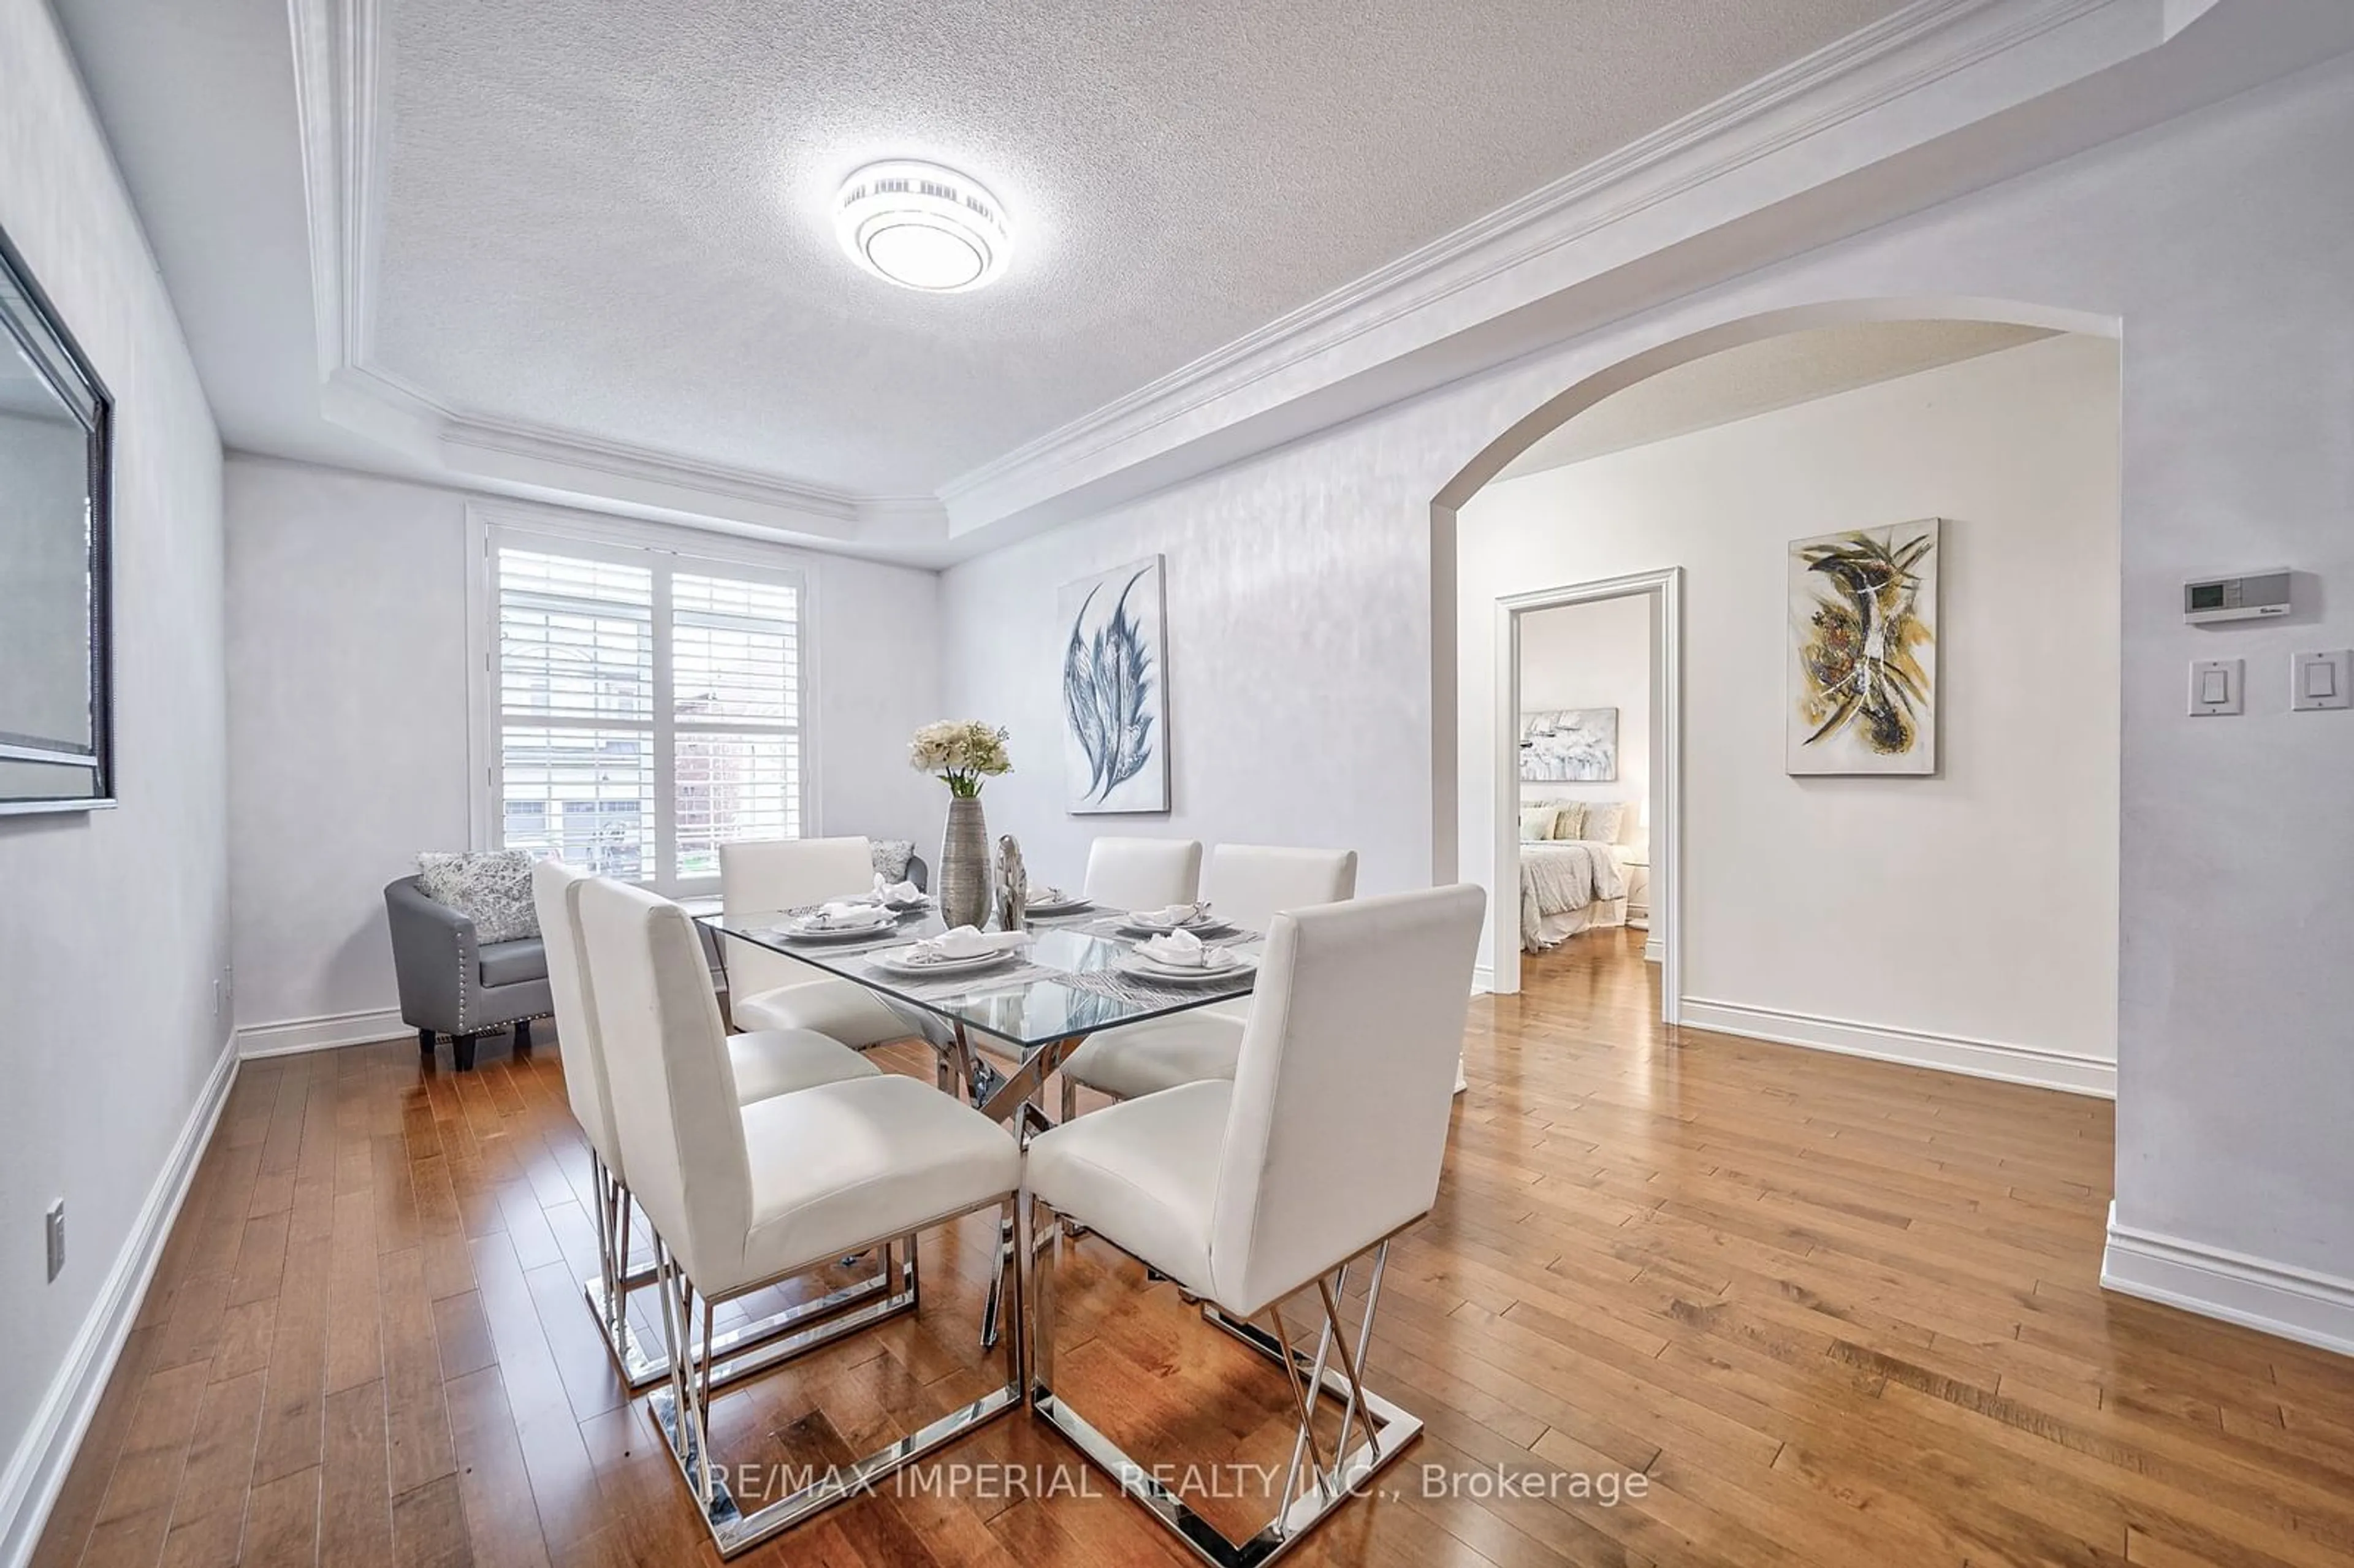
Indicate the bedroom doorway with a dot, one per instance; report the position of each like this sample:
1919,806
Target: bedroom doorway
1589,800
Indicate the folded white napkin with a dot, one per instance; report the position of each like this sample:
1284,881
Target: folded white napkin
845,911
1183,949
894,892
1175,914
1037,895
965,942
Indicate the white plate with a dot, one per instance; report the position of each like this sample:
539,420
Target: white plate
1138,965
796,930
1151,928
1066,905
898,961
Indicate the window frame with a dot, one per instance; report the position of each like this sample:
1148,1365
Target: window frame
665,550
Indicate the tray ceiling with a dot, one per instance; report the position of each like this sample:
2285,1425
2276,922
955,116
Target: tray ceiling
612,220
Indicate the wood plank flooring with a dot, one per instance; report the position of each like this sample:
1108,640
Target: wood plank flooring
1823,1311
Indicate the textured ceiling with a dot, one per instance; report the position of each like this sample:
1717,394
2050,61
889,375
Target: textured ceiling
1759,377
613,219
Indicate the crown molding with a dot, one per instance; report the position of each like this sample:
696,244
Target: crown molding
1919,73
1620,232
338,101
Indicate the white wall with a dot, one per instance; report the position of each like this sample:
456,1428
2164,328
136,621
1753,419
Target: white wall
348,718
115,923
1977,908
1307,694
1591,655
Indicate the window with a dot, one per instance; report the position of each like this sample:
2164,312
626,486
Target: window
645,706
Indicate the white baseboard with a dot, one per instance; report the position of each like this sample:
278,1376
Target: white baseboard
1483,978
1951,1053
36,1470
290,1036
1654,950
2270,1297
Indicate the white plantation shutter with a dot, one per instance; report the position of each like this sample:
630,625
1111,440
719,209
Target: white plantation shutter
736,715
648,706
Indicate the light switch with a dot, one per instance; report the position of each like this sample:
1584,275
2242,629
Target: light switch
2321,680
2216,685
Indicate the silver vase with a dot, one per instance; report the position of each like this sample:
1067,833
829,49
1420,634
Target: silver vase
965,878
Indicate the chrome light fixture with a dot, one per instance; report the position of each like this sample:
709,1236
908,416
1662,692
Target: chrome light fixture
923,226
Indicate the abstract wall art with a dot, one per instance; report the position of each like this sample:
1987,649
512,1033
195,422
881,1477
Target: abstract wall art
1863,652
1575,746
1116,691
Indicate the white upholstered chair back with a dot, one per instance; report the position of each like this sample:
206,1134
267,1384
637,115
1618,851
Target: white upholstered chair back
576,1026
1344,1088
784,873
1248,883
1144,873
674,1101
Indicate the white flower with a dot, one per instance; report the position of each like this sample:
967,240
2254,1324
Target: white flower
960,752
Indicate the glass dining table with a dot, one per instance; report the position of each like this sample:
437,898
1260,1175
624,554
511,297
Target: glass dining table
1000,1031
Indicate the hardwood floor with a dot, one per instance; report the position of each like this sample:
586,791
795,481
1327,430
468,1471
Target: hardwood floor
1822,1311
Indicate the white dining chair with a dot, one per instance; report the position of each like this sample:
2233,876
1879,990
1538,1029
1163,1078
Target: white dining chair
1143,874
742,1197
767,990
1247,884
760,1065
1328,1143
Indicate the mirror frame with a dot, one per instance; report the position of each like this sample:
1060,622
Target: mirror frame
53,352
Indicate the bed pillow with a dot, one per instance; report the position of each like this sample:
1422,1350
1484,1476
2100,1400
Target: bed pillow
1569,818
1536,823
1602,820
490,887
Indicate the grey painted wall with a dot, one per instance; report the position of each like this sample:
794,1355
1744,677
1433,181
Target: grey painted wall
115,924
1302,623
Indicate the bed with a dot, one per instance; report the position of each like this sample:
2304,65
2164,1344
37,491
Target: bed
1569,883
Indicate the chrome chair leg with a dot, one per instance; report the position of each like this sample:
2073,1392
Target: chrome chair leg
1306,1500
736,1353
682,1410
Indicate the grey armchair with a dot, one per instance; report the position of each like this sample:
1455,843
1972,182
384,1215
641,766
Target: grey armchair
451,984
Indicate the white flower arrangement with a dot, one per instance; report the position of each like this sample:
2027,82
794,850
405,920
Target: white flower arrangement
959,753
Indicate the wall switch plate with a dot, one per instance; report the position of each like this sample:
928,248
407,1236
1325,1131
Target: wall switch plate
57,1232
2218,685
2318,681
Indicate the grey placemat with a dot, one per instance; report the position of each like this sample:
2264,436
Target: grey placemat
1142,993
939,988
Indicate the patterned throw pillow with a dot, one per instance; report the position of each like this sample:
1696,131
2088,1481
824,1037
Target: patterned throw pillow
1570,821
490,887
1602,820
891,856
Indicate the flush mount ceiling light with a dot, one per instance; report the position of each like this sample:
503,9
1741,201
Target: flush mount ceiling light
923,226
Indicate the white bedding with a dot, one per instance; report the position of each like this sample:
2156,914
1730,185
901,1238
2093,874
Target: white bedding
1563,882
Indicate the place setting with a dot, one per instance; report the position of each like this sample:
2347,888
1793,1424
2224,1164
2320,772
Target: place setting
1049,902
1179,957
963,950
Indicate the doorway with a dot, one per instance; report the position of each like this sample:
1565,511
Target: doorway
1561,752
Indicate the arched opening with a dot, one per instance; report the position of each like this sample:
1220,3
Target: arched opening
1481,843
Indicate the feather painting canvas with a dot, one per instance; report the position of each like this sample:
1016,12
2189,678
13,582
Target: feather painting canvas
1863,652
1116,692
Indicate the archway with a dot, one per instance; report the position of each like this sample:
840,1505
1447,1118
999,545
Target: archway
1452,856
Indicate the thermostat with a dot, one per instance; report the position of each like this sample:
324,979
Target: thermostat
2235,598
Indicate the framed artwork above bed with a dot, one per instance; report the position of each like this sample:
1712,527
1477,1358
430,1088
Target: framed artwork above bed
1570,745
